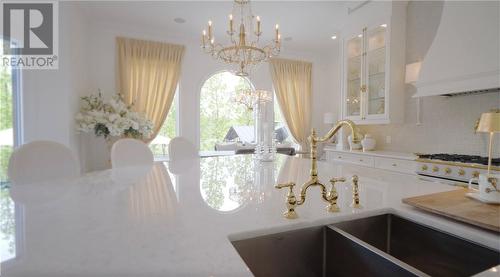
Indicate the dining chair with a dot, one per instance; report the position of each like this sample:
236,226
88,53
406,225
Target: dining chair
130,152
181,148
41,161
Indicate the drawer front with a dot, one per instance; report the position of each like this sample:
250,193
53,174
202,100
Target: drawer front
354,159
403,166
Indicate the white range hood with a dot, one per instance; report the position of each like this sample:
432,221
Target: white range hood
464,56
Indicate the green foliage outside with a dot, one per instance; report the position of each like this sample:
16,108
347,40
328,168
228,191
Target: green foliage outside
5,118
7,224
218,111
167,130
7,218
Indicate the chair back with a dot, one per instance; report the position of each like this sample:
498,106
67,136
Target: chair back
181,148
41,161
130,152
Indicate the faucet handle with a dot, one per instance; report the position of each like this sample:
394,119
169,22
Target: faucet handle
355,193
333,196
337,179
285,185
291,201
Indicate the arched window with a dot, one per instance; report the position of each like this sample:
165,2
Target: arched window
223,108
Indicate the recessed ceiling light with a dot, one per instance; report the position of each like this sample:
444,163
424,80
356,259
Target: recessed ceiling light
383,25
334,37
288,39
179,20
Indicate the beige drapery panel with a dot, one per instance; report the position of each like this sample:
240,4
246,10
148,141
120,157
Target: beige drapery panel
292,84
148,73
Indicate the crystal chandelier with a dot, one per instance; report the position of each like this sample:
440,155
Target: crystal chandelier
250,97
243,49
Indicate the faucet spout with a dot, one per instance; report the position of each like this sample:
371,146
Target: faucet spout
314,140
331,196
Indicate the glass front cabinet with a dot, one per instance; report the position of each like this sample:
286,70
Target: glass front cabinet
373,73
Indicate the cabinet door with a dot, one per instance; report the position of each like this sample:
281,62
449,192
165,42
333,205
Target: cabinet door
354,49
376,95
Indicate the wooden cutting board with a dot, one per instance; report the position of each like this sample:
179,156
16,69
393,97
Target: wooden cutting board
456,205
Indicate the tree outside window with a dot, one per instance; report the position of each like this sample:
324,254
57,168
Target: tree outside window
219,111
159,145
7,208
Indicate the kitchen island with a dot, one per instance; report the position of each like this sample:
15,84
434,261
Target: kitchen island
153,221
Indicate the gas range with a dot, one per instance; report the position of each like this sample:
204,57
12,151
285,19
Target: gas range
454,167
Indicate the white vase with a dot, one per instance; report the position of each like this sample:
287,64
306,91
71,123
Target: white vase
368,143
353,146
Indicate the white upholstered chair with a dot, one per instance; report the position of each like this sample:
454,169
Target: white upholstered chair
40,161
181,153
181,148
130,152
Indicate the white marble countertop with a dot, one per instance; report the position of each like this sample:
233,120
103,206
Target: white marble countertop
150,222
376,153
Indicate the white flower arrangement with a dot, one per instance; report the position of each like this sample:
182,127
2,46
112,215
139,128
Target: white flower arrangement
112,118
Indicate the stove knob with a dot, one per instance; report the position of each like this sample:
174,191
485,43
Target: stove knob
461,172
447,170
475,174
424,167
435,169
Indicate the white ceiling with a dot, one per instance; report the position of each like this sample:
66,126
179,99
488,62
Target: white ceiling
311,24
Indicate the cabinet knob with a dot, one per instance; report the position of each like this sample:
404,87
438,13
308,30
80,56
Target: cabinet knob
339,157
394,165
435,169
461,172
363,88
447,170
360,160
475,174
424,167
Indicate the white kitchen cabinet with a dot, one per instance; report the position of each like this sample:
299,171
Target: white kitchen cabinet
351,158
399,165
393,161
374,64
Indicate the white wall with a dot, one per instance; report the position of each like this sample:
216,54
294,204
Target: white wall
196,68
50,97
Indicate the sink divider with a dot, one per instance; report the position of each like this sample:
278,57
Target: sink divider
377,251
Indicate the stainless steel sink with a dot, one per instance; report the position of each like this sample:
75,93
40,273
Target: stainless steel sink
431,251
384,245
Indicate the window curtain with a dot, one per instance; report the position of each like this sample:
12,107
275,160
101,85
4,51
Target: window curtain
292,84
148,73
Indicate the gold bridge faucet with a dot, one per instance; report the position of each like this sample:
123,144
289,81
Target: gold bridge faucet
331,196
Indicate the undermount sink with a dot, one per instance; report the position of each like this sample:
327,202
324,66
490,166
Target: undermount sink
384,245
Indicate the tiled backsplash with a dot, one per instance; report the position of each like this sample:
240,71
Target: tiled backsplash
447,126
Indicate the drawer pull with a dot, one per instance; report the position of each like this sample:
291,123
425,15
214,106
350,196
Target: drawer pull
361,160
339,157
394,165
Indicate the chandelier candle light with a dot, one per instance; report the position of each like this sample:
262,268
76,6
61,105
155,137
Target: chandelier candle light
244,51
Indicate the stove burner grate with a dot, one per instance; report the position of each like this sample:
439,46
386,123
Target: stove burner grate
470,159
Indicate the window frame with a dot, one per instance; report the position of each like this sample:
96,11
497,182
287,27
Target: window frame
17,114
18,140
